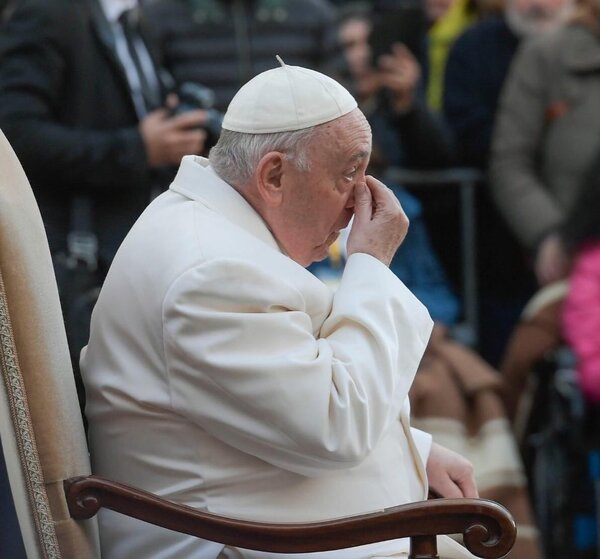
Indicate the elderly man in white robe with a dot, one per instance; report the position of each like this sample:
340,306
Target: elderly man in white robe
221,374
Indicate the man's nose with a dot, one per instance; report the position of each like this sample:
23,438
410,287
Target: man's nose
350,202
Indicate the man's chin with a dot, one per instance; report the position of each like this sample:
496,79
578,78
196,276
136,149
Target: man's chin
321,257
320,252
332,238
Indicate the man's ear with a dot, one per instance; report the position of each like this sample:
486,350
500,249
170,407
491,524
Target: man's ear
269,174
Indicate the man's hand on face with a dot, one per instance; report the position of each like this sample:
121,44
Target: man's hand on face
380,223
449,474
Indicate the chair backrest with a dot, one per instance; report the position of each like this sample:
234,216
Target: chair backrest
40,421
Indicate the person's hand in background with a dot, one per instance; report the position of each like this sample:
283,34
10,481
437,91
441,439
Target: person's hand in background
168,138
400,74
552,262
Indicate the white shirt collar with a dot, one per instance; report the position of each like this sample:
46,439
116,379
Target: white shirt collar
197,180
114,8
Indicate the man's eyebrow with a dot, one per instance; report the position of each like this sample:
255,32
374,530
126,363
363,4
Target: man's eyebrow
359,155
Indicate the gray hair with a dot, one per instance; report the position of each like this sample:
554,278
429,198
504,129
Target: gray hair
237,154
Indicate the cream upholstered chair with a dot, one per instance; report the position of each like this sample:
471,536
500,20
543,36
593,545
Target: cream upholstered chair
40,421
45,448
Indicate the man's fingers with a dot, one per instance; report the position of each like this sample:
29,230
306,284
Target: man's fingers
190,136
382,195
457,488
450,474
448,489
380,225
375,186
189,119
363,204
172,101
189,142
468,488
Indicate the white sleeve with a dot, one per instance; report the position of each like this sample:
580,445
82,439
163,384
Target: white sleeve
246,363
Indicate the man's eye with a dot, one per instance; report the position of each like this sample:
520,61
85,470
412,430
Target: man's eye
351,174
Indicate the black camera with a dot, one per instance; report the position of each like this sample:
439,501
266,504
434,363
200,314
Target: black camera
194,96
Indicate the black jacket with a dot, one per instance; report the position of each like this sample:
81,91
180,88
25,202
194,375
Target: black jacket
477,66
223,43
66,108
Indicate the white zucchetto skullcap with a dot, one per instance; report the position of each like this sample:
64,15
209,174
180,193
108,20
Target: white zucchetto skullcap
285,99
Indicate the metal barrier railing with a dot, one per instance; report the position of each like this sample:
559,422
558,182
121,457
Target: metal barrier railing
464,179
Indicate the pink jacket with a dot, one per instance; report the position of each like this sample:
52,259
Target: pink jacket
581,319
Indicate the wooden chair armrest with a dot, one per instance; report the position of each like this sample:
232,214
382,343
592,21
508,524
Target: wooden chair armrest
488,528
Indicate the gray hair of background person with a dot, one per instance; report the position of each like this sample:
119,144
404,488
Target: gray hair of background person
237,154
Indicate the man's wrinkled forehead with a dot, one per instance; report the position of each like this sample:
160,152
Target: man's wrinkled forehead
351,133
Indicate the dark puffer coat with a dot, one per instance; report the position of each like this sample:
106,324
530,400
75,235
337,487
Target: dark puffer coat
223,43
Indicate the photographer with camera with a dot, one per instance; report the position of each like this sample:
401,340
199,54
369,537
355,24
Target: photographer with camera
191,97
84,106
382,47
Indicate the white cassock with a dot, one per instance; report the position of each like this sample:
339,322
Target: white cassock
221,374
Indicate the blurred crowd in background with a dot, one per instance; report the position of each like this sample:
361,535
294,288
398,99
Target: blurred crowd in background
101,98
